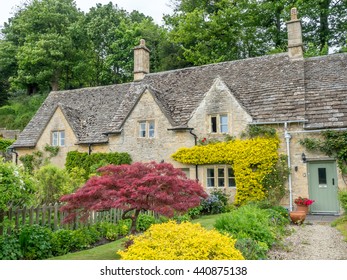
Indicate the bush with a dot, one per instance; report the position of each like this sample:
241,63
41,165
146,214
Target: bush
251,249
144,221
35,242
216,203
248,221
93,161
62,242
185,241
10,248
343,200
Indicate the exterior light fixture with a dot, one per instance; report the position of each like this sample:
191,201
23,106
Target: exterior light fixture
303,157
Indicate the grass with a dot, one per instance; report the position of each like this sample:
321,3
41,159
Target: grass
341,225
108,251
102,252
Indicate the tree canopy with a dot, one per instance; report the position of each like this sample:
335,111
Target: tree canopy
52,45
140,186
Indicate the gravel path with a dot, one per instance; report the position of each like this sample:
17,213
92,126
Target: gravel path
312,241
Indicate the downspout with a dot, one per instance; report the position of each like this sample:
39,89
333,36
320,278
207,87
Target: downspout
287,136
90,149
195,143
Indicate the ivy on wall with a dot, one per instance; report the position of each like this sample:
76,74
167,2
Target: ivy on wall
252,160
331,143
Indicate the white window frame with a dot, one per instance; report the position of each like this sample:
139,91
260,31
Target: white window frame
146,129
218,124
58,138
219,176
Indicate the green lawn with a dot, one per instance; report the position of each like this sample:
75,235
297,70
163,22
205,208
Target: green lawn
108,251
102,252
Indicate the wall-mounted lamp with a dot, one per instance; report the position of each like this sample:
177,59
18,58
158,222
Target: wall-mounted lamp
303,157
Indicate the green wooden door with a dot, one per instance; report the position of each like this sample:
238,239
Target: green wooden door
322,179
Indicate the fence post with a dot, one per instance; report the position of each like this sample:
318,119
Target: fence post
56,205
10,213
24,213
31,215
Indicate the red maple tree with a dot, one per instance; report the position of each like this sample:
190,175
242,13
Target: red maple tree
140,186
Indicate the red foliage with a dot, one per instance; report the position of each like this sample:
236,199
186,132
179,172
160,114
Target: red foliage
140,186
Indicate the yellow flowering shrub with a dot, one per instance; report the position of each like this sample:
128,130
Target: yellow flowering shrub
252,159
185,241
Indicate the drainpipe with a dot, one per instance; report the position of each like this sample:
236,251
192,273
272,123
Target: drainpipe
287,136
90,149
195,142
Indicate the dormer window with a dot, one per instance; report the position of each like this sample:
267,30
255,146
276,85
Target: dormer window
58,138
146,129
219,123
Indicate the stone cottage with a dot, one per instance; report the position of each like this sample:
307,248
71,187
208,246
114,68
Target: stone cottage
153,116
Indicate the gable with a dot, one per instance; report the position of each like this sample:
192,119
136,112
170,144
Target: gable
58,122
220,100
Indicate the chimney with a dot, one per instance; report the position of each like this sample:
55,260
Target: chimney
295,46
141,61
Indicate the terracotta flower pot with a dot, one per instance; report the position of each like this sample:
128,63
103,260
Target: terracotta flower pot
297,217
302,208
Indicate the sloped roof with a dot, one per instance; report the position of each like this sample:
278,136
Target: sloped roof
271,88
326,91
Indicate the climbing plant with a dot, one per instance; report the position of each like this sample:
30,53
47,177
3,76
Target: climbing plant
331,143
252,160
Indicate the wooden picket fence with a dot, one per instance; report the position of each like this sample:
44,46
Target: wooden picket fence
50,216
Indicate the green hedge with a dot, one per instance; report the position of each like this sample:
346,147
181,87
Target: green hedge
5,143
91,162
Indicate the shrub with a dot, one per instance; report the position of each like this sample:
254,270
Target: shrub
251,249
248,221
10,248
35,242
62,242
93,161
212,205
185,241
343,200
144,221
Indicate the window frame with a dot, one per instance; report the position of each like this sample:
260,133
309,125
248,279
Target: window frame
146,129
217,123
213,176
58,138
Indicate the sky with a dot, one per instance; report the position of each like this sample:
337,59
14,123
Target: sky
153,8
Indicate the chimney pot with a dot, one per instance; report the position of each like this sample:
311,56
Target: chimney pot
294,14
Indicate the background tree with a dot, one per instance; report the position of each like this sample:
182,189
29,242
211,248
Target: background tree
140,186
43,32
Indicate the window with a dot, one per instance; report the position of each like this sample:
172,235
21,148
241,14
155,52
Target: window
220,176
58,138
146,129
219,124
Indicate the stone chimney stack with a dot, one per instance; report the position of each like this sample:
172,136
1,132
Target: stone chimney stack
141,61
295,46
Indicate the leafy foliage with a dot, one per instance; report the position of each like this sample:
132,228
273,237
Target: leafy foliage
52,183
10,248
35,242
16,187
331,143
141,186
185,241
252,159
5,143
343,200
90,163
248,221
215,203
